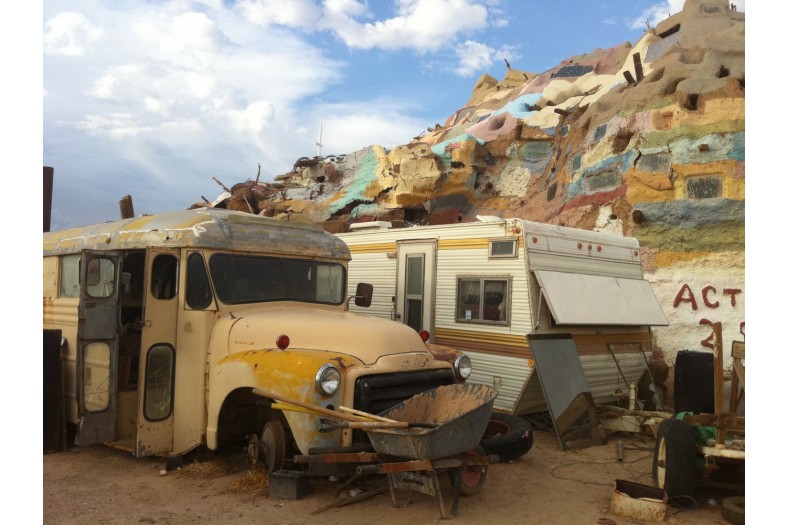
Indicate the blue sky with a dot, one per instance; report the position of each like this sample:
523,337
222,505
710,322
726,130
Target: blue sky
154,98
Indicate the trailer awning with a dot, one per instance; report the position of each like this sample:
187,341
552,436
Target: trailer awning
582,299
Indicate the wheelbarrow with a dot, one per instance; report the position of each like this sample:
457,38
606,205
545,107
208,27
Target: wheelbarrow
444,430
459,413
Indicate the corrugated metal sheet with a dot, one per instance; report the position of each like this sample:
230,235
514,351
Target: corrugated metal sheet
381,272
604,379
507,374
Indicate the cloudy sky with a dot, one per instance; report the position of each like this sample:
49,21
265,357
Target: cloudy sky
155,98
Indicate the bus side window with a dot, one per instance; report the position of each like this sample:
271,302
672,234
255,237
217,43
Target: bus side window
198,288
164,282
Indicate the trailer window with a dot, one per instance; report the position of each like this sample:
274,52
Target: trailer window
241,279
483,300
503,249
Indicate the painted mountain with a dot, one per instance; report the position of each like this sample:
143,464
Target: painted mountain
644,140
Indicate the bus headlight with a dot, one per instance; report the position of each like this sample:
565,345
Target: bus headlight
462,366
327,380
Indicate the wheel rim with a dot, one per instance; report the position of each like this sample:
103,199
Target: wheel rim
471,476
253,449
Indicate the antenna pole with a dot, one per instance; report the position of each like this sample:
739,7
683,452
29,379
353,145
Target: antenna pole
319,142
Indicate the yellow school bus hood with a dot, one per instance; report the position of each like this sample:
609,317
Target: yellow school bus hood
331,330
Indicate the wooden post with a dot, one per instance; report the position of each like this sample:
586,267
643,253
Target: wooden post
638,67
719,394
126,208
49,177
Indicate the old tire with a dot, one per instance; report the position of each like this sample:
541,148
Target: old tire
732,510
675,465
272,445
507,437
471,477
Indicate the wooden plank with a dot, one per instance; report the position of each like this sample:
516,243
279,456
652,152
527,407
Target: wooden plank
737,349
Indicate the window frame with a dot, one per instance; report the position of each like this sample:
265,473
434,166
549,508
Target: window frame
515,252
459,313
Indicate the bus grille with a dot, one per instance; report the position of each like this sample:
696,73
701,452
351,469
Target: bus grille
375,393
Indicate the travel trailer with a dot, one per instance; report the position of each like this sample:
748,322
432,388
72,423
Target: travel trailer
482,287
172,324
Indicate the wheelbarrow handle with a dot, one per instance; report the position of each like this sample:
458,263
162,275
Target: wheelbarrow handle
371,425
365,414
308,406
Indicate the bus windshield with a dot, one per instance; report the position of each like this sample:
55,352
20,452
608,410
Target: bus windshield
241,279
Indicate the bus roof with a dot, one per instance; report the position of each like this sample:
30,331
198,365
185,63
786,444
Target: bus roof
200,228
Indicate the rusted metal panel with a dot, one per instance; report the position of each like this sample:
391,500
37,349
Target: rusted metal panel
200,228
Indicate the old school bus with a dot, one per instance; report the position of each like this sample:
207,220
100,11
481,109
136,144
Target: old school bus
170,321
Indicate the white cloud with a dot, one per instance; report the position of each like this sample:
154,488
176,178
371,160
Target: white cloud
421,25
254,118
303,14
475,56
350,127
655,14
70,34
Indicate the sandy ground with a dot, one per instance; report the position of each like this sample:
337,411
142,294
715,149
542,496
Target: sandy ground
90,485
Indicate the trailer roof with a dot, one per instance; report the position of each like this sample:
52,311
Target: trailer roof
200,228
384,230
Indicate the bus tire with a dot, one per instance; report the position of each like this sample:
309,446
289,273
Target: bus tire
272,445
507,437
675,464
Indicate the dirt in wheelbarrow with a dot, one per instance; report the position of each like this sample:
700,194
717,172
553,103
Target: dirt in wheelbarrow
98,484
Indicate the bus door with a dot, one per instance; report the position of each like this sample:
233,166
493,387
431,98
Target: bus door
157,355
97,347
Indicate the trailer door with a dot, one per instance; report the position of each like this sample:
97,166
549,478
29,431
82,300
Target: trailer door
416,284
97,347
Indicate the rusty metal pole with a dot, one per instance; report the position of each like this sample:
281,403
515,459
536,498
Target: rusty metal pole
49,177
719,395
126,208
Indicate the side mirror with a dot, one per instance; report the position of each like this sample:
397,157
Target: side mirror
363,295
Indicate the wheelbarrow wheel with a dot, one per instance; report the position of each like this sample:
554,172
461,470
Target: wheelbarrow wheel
471,477
675,465
272,445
